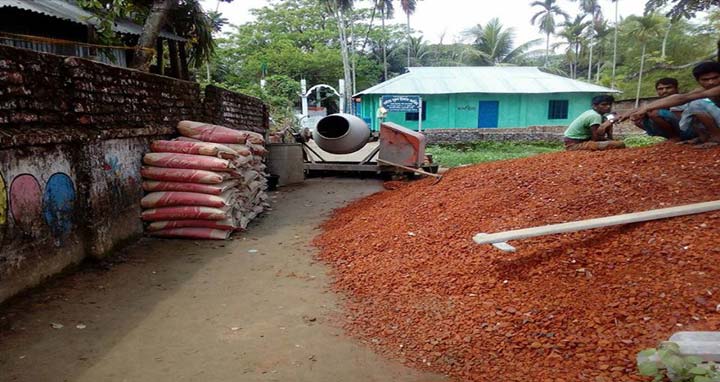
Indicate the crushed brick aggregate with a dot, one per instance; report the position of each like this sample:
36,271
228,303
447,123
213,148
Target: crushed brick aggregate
567,307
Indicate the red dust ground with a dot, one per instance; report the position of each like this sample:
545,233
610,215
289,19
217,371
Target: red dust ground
571,307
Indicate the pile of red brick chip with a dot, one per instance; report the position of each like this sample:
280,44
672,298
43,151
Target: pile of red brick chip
205,184
571,307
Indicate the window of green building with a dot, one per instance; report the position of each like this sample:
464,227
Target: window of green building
558,109
414,116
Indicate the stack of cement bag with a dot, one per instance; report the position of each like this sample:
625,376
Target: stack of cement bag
205,184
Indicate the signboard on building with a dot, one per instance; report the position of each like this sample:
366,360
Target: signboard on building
407,104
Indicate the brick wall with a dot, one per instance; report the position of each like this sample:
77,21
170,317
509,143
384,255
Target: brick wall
107,97
531,133
223,107
29,91
72,136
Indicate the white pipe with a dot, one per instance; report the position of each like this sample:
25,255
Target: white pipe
663,213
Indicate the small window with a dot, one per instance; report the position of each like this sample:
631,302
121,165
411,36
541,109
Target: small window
558,109
414,116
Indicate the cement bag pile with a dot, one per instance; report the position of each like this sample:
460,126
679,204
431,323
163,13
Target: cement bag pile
205,184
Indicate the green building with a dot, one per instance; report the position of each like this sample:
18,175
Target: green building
488,96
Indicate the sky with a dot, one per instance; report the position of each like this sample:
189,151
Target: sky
434,18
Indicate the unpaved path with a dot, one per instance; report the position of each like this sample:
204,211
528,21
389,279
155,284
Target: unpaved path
256,308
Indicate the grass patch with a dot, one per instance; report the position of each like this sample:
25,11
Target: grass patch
458,154
453,155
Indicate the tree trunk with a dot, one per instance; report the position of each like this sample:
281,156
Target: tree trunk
183,61
160,57
353,57
590,63
345,57
576,58
642,63
408,40
369,29
384,49
612,80
153,24
174,61
547,48
664,42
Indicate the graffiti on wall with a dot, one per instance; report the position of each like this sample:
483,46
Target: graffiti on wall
3,208
30,210
26,203
121,178
58,205
114,171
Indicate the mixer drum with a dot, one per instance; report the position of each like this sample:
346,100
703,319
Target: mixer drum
341,133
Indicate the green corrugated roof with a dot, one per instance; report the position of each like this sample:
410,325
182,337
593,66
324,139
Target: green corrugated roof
482,79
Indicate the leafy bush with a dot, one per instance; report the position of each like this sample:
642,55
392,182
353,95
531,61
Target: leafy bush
666,363
642,140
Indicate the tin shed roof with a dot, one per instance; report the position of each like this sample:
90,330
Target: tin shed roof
482,79
70,11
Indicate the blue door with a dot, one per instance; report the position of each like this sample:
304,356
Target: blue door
488,114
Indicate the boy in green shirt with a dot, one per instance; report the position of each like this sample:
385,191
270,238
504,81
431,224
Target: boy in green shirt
589,132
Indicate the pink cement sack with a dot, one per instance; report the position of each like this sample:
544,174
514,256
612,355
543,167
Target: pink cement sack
227,224
183,175
186,213
241,161
241,149
176,198
212,189
219,134
197,162
197,148
193,233
259,150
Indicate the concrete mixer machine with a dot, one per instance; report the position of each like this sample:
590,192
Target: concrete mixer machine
343,143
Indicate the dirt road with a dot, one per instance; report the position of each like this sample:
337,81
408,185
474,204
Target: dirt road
256,308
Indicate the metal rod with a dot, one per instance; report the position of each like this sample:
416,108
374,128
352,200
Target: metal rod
313,151
371,155
417,170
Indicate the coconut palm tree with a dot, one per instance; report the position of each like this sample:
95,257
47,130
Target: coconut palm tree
189,20
574,33
665,39
615,34
592,8
339,9
602,34
546,19
643,29
419,51
596,37
408,7
386,11
493,44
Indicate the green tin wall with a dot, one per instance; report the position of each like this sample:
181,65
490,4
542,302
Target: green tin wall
461,110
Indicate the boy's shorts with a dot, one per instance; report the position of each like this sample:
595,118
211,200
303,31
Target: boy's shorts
688,123
652,129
